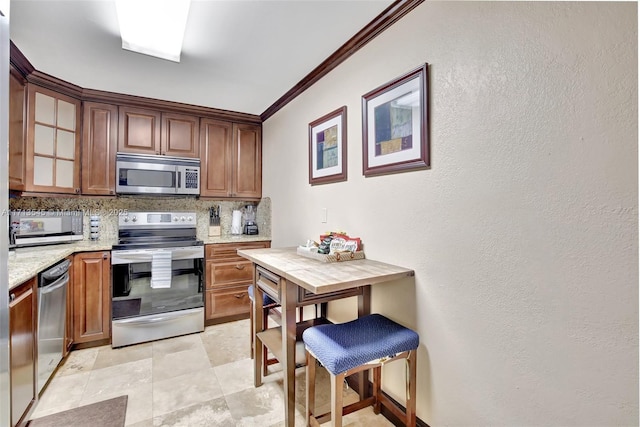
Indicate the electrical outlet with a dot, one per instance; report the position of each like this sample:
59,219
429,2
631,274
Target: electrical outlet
323,215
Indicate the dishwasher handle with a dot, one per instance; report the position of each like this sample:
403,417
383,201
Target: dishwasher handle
62,281
57,271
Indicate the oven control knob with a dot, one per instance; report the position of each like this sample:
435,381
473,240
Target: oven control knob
182,218
134,219
189,219
175,219
126,219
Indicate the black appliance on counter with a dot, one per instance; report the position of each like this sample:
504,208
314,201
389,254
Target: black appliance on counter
250,226
158,277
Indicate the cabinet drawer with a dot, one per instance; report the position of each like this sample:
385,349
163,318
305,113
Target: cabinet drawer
306,297
232,273
268,282
18,291
227,303
227,252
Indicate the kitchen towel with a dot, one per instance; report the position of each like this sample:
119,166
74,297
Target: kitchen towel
236,227
161,270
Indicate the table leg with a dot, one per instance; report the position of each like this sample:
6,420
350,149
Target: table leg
258,326
288,303
364,308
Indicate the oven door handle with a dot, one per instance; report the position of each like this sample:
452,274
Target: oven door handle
133,256
165,317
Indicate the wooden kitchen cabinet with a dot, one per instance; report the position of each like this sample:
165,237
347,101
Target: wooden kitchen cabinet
247,162
91,297
22,349
144,131
17,158
180,135
52,142
99,145
231,164
228,277
139,131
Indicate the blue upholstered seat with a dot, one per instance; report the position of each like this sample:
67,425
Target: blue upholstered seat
266,300
343,346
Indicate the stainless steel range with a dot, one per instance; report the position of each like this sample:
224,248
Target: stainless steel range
158,275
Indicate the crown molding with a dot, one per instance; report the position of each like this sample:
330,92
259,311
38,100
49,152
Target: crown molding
384,20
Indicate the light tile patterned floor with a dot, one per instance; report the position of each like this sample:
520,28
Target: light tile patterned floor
195,380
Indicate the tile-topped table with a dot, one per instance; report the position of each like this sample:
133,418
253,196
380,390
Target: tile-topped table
296,281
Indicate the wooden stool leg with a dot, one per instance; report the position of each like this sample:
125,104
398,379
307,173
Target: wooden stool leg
310,401
336,399
265,351
411,389
377,380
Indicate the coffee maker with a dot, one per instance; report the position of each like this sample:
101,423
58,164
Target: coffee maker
249,214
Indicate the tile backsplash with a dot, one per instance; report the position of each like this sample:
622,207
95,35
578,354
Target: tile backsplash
108,210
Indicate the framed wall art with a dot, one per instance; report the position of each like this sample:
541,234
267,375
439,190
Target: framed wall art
328,148
395,125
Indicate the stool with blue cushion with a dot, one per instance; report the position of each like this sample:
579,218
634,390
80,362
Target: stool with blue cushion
347,348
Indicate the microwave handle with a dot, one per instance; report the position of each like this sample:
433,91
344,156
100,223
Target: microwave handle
179,179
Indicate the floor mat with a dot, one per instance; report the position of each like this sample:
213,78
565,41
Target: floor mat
108,413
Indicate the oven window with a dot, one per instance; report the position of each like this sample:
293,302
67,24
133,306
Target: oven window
133,295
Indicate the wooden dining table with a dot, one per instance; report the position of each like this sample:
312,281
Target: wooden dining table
295,281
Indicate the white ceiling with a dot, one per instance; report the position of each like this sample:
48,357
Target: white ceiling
238,55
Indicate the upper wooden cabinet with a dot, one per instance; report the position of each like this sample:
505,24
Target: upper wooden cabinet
180,134
152,132
139,131
17,158
231,160
53,142
99,144
247,161
215,165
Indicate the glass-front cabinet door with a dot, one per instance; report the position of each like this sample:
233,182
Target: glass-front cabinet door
53,142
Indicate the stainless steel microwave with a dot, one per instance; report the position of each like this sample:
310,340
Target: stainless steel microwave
157,175
33,227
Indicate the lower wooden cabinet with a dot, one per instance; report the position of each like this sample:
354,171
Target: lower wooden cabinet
228,277
22,349
91,296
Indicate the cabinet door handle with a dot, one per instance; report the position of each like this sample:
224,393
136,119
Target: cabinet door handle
240,267
238,296
105,255
12,297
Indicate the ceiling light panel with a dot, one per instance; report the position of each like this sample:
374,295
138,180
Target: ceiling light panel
153,27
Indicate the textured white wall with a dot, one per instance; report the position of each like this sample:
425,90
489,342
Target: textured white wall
523,234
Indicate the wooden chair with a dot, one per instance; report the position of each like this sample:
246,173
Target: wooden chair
347,348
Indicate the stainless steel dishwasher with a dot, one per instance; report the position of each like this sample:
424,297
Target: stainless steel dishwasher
52,308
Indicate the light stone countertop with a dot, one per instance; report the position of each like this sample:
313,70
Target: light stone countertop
25,263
